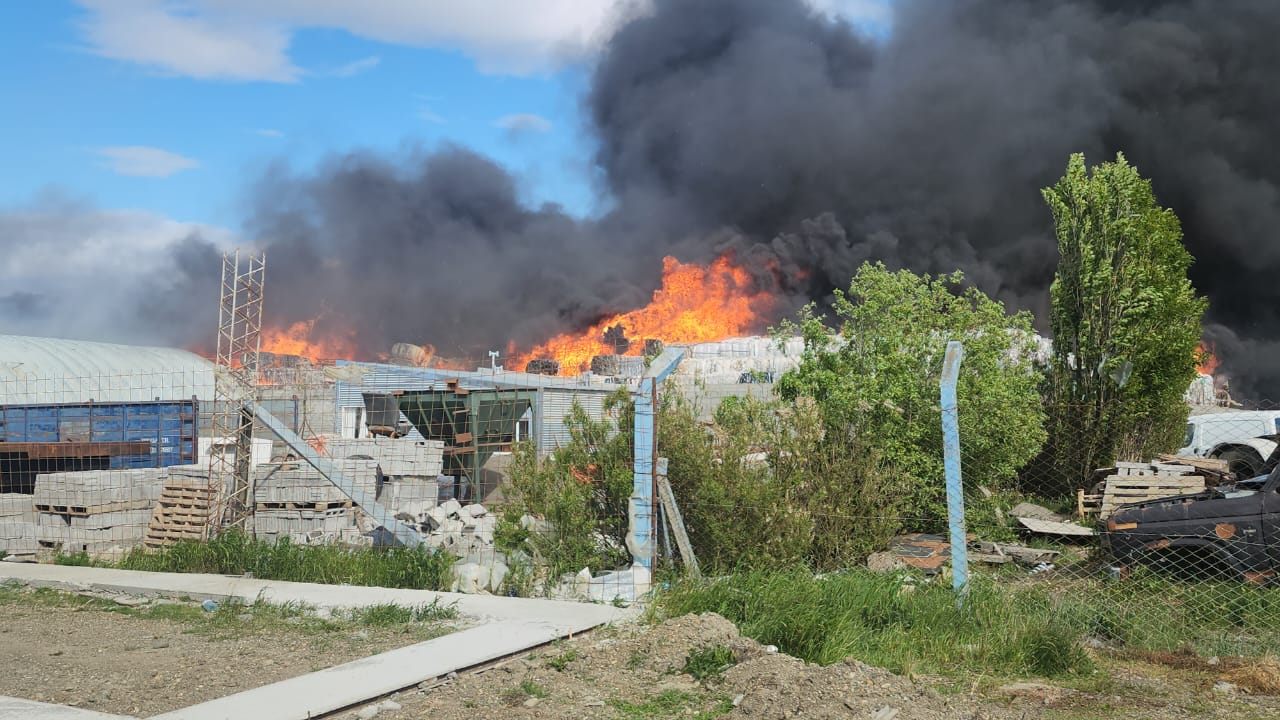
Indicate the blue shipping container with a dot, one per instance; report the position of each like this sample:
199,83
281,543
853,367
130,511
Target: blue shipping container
170,427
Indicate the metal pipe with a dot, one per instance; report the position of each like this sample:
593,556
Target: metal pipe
951,462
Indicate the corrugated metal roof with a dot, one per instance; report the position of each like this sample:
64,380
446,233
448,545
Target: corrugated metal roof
49,370
376,377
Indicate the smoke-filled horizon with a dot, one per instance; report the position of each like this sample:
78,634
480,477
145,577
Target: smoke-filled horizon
762,127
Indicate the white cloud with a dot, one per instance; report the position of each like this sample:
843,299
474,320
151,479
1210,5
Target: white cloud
430,116
182,39
268,132
523,122
142,161
249,39
359,66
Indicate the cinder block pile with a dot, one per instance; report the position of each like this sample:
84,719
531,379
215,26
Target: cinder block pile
409,469
18,527
293,501
101,512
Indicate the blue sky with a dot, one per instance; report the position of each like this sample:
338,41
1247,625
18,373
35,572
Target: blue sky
76,106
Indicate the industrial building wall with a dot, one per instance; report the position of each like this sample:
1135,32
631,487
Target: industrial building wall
554,406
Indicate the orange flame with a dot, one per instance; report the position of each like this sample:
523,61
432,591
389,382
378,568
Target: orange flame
1206,362
695,304
301,339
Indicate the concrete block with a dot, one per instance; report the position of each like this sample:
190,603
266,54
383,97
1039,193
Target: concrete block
99,488
17,506
81,536
452,508
476,511
400,493
467,578
497,574
398,457
437,516
285,522
121,518
28,545
10,530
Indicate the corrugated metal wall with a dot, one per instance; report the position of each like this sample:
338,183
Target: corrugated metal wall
554,405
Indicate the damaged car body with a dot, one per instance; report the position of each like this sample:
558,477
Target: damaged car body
1229,531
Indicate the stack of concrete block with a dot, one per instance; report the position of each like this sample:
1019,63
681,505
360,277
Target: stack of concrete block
97,511
18,527
293,501
398,457
409,469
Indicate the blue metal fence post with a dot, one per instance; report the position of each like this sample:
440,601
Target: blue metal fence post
951,460
641,538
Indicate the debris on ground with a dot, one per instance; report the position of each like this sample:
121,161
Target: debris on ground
920,550
1047,527
1036,512
998,553
931,553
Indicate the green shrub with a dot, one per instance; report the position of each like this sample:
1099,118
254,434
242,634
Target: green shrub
235,553
762,487
874,378
582,491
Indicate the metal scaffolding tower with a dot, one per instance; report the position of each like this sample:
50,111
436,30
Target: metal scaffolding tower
239,342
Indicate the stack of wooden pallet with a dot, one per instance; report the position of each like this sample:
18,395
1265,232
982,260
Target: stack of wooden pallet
183,512
1131,483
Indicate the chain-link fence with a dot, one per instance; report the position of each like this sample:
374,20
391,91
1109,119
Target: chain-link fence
125,467
521,483
1174,544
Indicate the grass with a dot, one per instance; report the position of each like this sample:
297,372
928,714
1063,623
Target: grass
1015,628
391,614
235,618
234,553
673,703
708,663
522,692
561,662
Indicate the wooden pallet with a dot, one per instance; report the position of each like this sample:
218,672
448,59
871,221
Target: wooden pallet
84,510
1087,504
1125,490
184,512
319,505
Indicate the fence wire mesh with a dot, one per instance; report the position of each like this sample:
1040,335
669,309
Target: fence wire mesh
521,484
116,468
1160,538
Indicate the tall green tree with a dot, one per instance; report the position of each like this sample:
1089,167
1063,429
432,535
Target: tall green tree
1125,321
875,379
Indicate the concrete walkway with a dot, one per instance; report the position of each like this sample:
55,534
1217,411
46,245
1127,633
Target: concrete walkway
19,709
506,626
571,616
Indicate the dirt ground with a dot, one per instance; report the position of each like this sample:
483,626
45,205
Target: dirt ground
634,672
93,653
143,659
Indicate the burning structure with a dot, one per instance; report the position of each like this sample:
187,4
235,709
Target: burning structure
924,148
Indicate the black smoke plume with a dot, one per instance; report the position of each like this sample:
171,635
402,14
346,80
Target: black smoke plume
807,147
